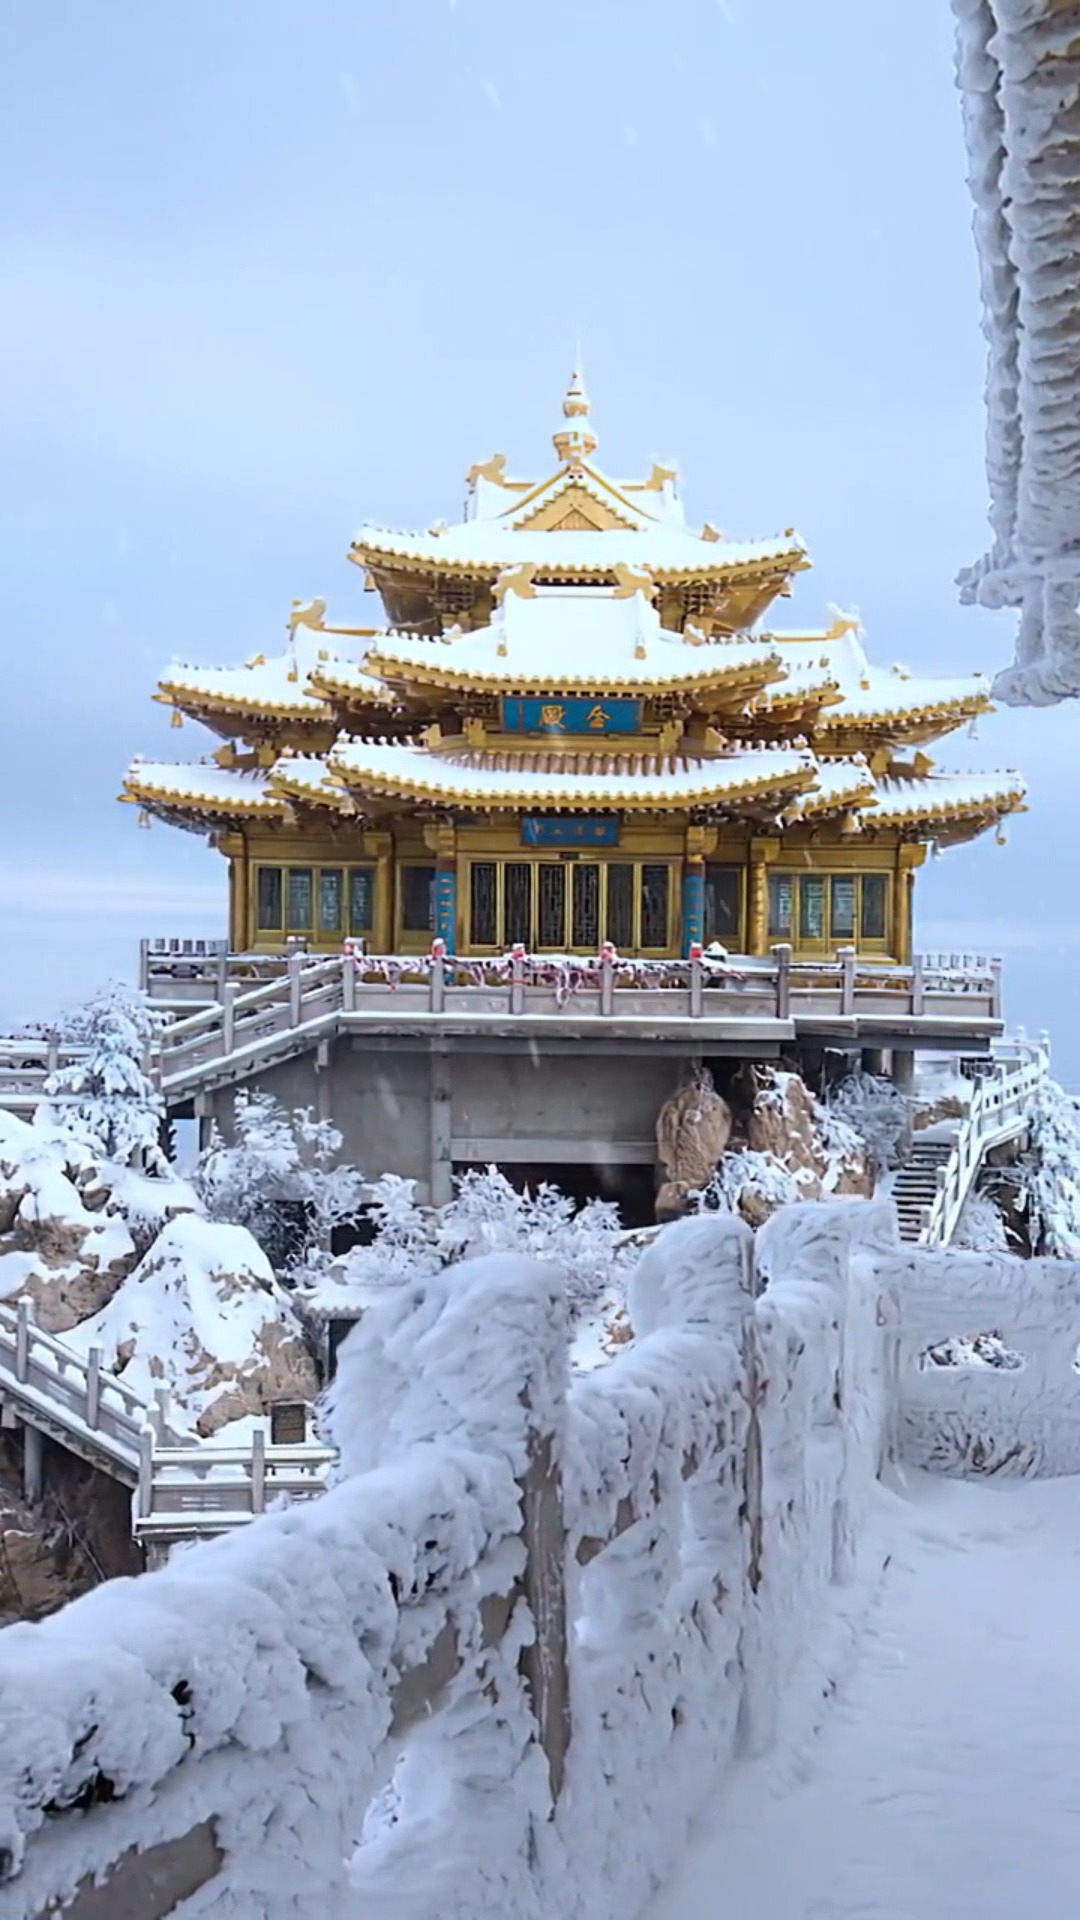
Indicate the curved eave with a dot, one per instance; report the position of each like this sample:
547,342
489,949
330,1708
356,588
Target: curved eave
629,799
203,706
935,717
815,806
963,819
458,679
300,794
196,811
752,567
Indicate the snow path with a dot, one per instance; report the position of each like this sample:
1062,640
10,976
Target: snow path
944,1782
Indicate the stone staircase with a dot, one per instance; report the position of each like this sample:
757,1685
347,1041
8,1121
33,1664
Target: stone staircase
916,1185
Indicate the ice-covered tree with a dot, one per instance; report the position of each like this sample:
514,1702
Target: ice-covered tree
108,1099
280,1176
488,1215
876,1111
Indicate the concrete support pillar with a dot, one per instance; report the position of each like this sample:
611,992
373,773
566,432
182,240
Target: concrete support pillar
903,1074
873,1061
441,1176
33,1465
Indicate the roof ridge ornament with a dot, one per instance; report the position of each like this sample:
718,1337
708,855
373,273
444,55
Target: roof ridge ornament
576,441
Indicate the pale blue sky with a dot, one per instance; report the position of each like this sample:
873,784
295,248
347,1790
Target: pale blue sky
273,268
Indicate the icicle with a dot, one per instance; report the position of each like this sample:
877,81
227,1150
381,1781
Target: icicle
144,818
177,718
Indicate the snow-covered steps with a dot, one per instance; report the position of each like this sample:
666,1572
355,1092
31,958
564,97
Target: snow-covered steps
915,1187
930,1191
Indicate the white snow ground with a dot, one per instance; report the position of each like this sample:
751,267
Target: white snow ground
943,1783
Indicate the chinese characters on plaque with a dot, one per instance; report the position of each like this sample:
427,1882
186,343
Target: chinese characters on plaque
570,830
543,713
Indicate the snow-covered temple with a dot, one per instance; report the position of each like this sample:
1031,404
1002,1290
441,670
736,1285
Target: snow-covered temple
1018,67
579,725
577,820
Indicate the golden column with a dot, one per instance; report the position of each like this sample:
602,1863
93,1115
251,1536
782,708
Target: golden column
381,845
761,853
241,933
909,856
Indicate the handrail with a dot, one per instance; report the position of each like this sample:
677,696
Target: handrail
1000,1104
308,994
183,1491
50,1382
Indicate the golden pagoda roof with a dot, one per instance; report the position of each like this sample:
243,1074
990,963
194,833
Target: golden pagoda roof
562,640
576,524
201,794
274,689
389,770
930,804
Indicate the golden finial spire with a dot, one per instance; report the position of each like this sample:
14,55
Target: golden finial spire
576,440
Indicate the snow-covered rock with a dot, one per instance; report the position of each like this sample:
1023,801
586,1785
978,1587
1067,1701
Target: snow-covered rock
692,1130
203,1316
786,1147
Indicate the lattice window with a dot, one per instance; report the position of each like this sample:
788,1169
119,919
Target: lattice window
517,881
300,898
620,905
418,899
812,908
269,899
552,885
361,900
723,904
586,919
331,899
842,906
781,905
874,905
483,904
655,890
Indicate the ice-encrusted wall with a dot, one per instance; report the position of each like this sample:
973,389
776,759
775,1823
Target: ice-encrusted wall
715,1481
988,1419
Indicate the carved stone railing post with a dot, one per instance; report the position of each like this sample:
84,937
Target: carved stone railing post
517,979
295,962
782,957
847,958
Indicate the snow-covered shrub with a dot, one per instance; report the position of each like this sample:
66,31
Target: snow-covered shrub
980,1228
486,1215
108,1099
1052,1174
748,1183
875,1111
278,1178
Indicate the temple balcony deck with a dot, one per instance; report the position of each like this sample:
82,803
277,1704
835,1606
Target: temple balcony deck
232,1014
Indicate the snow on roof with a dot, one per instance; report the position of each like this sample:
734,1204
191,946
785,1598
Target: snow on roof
1018,69
941,794
837,783
488,546
575,637
414,770
217,789
277,685
867,692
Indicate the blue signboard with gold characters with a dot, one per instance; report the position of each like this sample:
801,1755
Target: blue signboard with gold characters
570,830
551,713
